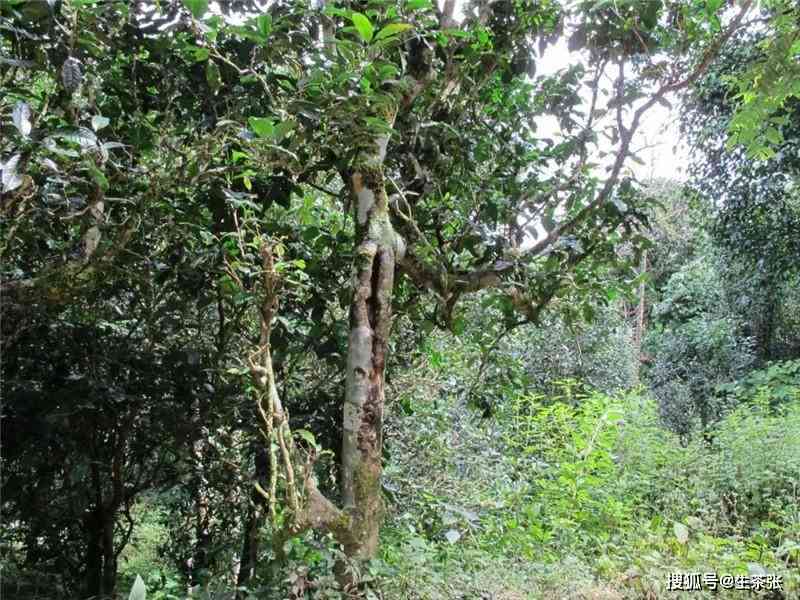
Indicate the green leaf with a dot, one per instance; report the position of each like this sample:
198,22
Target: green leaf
588,312
452,536
99,121
99,177
213,76
548,219
363,25
283,129
236,156
264,25
262,127
694,523
306,435
392,29
378,125
138,591
681,532
773,136
197,7
418,4
201,54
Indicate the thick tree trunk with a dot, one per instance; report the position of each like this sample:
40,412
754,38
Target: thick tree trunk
100,561
377,249
370,324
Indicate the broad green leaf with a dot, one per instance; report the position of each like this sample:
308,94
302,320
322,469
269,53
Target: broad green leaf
213,25
773,136
262,127
306,435
82,136
236,156
548,219
363,25
379,125
197,7
99,177
264,25
201,54
392,29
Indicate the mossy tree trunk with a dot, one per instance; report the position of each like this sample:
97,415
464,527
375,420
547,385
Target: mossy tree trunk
376,250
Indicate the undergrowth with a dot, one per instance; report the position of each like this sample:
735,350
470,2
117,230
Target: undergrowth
586,496
573,495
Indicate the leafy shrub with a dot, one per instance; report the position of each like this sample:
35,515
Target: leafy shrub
697,346
581,485
754,466
779,381
564,452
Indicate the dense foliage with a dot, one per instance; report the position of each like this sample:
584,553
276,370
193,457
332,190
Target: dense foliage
356,299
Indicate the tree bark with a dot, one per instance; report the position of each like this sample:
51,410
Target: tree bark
100,561
109,554
93,562
377,246
640,318
201,553
255,518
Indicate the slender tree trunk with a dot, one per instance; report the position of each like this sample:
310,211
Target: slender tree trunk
640,319
249,554
766,322
93,562
370,322
201,555
95,525
109,555
255,518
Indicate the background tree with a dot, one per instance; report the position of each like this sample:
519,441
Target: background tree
755,219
